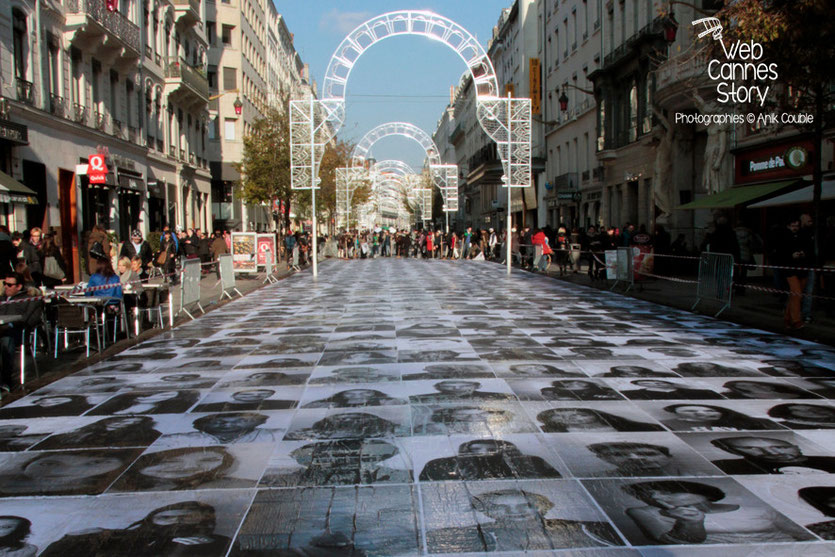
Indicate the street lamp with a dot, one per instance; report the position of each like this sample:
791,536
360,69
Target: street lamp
563,101
563,98
239,106
670,28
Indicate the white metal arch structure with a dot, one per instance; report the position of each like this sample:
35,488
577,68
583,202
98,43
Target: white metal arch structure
505,120
347,181
393,166
403,129
409,22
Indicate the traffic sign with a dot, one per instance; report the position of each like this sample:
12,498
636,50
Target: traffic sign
96,169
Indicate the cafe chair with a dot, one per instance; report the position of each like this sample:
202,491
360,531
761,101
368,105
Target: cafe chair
71,319
113,312
29,342
151,305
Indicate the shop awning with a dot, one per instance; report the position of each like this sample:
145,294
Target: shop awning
12,191
797,197
740,195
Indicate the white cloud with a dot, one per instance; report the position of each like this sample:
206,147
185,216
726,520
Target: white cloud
342,23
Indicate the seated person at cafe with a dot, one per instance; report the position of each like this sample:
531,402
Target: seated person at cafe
104,275
138,269
130,279
11,334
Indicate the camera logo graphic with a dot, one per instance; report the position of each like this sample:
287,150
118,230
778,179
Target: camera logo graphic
710,25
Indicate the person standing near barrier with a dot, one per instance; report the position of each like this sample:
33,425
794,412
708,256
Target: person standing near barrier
166,259
289,244
137,246
722,239
627,234
218,248
749,243
492,242
792,251
204,250
807,232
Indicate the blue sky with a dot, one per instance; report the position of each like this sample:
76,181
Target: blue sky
404,79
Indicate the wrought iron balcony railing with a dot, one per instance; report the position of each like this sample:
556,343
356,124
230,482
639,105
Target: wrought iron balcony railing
193,78
80,113
25,91
100,120
116,128
56,105
113,22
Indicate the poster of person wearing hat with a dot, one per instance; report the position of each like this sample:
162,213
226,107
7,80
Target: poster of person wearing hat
243,252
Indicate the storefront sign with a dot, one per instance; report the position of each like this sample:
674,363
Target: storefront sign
96,169
776,161
535,85
243,252
14,132
568,195
265,242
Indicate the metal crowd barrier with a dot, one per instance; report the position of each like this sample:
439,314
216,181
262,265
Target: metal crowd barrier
624,268
268,268
716,279
227,276
190,287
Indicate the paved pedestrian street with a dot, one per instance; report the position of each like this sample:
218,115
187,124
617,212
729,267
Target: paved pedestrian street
402,407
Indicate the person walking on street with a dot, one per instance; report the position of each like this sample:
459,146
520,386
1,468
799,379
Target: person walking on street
218,248
97,236
793,252
166,258
53,263
807,232
28,253
137,246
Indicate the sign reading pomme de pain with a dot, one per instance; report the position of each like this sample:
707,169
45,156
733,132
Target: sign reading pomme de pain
785,159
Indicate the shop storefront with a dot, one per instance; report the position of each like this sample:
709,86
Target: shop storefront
156,205
14,196
760,173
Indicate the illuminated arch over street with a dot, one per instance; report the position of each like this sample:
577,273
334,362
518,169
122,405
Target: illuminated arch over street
403,129
407,22
314,123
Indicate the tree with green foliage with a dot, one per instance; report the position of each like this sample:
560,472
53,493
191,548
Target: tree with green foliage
265,165
799,36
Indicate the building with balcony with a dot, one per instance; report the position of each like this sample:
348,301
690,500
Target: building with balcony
252,62
175,104
125,79
570,51
515,54
633,44
515,51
